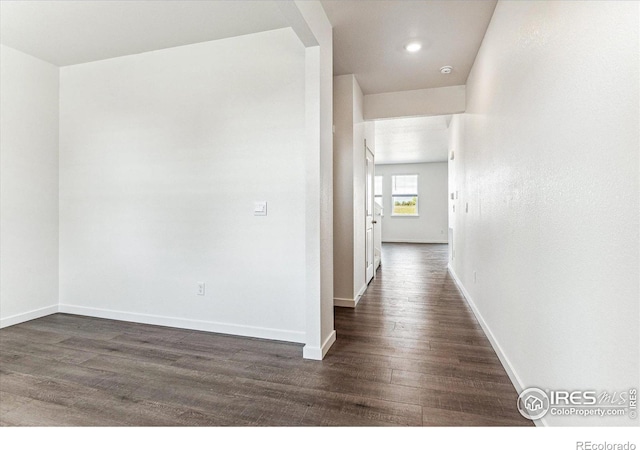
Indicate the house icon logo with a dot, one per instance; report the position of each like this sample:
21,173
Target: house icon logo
533,403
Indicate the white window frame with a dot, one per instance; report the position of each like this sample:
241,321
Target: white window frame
416,195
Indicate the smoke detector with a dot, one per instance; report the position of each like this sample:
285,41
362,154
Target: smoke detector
446,70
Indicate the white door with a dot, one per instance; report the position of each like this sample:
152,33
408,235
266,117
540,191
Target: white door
377,236
369,219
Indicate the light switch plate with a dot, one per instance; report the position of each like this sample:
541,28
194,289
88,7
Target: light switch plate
260,209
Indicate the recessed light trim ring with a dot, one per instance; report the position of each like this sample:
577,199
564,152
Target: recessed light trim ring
413,47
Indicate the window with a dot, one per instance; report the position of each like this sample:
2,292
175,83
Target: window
378,190
404,195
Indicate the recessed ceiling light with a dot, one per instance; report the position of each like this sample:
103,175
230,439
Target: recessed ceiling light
413,47
446,69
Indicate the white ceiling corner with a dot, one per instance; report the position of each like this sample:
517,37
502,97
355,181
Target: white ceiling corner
74,32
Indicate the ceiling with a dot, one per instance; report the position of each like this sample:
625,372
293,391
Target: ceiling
412,140
369,37
73,32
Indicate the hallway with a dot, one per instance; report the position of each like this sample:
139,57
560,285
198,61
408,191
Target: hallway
414,326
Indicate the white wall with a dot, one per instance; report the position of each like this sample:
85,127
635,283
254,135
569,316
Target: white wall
314,30
547,158
162,156
349,190
359,180
430,226
420,102
28,187
343,221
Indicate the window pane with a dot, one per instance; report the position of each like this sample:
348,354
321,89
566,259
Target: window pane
379,200
405,205
405,184
378,187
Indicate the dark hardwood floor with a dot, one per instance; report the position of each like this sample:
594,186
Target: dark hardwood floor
410,354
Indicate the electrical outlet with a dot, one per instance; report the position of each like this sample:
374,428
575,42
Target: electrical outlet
475,277
201,288
260,209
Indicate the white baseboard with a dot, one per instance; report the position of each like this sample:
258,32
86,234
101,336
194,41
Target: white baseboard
414,241
345,302
504,360
189,324
318,353
29,315
350,302
361,292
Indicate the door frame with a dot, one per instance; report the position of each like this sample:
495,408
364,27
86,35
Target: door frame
369,212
